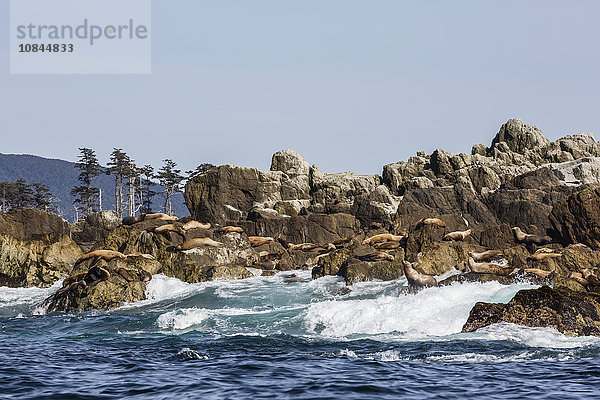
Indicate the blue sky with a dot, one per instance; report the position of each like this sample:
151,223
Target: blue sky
351,85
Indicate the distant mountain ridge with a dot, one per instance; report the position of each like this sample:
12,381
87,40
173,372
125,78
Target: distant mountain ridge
61,176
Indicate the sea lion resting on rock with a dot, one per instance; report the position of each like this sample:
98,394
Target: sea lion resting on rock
489,268
195,225
96,274
256,241
528,239
417,280
162,216
106,255
458,235
376,256
143,255
164,229
386,245
539,272
383,237
431,221
539,256
134,219
73,278
488,255
193,243
229,229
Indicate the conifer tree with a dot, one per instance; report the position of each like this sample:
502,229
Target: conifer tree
200,169
146,184
86,195
118,166
170,178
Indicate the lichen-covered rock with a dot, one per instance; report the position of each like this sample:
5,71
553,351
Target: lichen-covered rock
577,219
94,228
30,224
572,313
39,262
126,283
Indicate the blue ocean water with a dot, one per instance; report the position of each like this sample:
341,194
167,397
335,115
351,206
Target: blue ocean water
262,338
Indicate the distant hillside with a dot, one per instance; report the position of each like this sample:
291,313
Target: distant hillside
61,176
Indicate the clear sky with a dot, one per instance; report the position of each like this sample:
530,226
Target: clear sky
351,85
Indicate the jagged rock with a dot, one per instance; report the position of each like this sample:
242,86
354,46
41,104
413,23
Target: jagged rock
31,224
520,137
354,270
40,262
126,284
331,263
336,192
572,313
94,228
577,218
290,163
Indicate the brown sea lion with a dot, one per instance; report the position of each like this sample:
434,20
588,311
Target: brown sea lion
134,219
458,235
341,242
528,239
539,272
543,255
195,225
106,255
193,243
386,245
431,221
376,256
73,278
417,280
488,255
229,229
96,274
489,268
125,274
165,229
383,237
162,216
144,275
256,241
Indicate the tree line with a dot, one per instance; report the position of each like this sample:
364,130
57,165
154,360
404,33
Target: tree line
22,194
133,184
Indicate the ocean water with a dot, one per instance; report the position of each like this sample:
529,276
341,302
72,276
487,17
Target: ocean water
263,338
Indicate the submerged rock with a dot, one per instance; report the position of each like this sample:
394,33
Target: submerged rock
572,313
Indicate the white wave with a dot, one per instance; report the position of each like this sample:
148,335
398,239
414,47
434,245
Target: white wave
436,311
182,319
10,297
534,337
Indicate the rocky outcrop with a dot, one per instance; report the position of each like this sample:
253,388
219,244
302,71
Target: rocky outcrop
125,283
35,248
577,219
94,228
30,224
572,313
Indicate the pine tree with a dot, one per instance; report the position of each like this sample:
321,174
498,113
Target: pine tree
42,199
133,178
118,166
86,195
22,194
147,174
200,169
170,178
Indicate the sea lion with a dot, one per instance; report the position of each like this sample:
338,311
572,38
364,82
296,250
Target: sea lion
145,276
528,239
489,268
256,241
376,256
265,255
134,219
386,245
589,276
341,242
73,278
488,255
383,237
195,225
106,255
417,280
165,229
458,235
96,274
163,216
539,272
125,274
543,255
193,243
229,229
431,221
